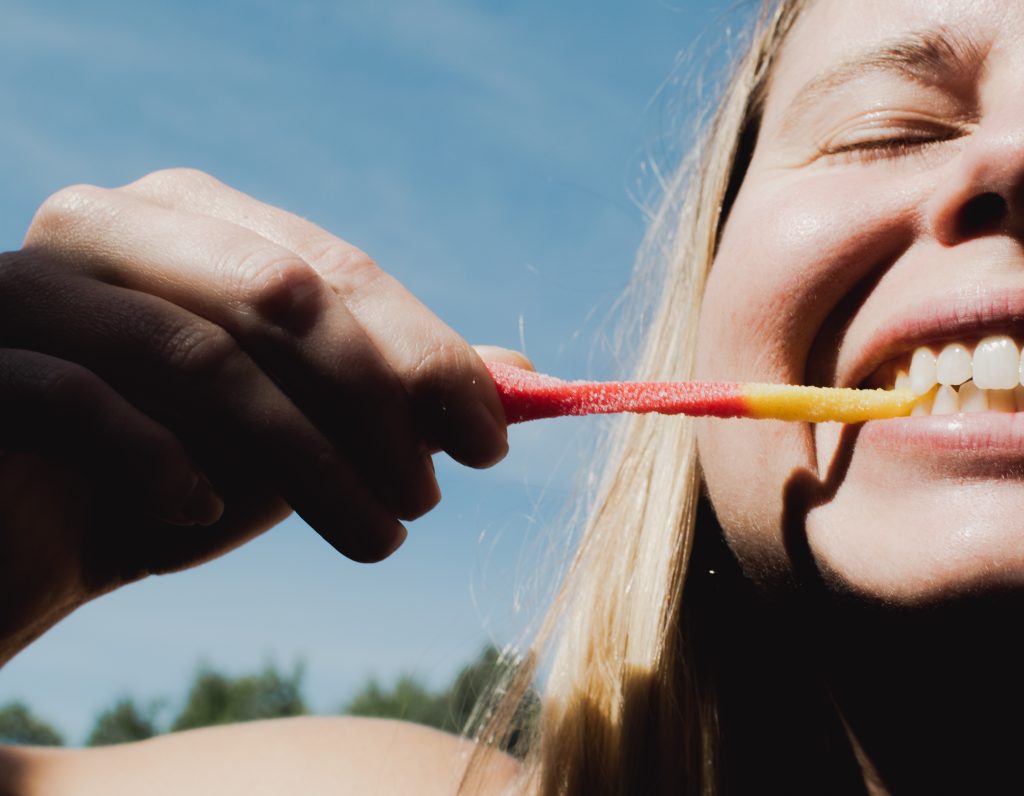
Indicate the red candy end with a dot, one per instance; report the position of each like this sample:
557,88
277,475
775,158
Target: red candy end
526,395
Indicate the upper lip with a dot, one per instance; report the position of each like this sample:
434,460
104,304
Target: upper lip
967,314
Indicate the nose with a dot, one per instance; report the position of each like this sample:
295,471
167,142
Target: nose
984,192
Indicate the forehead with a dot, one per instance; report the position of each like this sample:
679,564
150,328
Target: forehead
832,32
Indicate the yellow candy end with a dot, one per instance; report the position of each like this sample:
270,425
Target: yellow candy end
827,404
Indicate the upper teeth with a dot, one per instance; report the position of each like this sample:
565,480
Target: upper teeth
994,368
996,365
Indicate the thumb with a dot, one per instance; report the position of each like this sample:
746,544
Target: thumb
492,353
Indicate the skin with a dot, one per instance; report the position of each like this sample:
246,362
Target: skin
187,366
843,244
899,564
309,755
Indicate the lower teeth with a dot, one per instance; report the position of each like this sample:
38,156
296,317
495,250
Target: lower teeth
947,400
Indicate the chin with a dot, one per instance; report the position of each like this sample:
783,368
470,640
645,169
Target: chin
910,536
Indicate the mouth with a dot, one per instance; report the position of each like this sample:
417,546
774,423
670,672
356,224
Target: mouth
968,376
961,352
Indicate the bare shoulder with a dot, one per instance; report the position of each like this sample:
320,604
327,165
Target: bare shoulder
308,755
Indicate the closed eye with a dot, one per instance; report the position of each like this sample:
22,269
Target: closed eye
891,135
885,147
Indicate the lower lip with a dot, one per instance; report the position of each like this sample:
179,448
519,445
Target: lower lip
982,433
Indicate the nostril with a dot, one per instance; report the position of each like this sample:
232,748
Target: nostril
984,213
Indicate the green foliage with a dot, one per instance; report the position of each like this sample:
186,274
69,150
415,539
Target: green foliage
479,686
218,699
473,683
408,700
453,708
123,723
19,726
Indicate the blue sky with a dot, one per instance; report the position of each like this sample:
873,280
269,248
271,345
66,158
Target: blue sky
489,154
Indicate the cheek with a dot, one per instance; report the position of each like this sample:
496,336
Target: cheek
789,256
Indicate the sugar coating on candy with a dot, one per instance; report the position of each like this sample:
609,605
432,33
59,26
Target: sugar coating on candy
526,395
825,404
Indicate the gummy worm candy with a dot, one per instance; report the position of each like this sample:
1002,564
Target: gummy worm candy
526,395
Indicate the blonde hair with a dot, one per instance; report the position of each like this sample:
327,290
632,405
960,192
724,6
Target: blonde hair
627,707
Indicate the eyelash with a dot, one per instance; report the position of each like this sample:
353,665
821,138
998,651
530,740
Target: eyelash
876,149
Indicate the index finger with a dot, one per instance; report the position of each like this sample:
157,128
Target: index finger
452,394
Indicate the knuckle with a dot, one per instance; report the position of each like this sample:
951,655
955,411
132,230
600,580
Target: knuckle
65,386
199,350
437,368
272,282
352,271
62,212
174,181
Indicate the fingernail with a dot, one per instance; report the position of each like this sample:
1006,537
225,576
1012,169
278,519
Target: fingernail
203,506
493,353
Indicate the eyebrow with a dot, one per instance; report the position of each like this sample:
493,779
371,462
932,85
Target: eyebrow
931,57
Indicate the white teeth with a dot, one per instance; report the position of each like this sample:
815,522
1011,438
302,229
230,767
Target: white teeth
991,379
924,406
947,402
996,363
1002,400
953,365
972,399
922,371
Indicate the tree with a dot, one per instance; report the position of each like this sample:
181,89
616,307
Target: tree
218,699
455,707
477,688
408,700
124,722
19,726
474,682
215,698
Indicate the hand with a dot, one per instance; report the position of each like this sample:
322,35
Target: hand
181,365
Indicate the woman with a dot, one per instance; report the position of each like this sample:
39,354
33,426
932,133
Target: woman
860,197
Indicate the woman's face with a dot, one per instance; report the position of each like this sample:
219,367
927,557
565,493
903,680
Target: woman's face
883,211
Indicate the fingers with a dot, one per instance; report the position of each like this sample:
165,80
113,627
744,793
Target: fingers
452,395
279,310
190,375
64,411
244,328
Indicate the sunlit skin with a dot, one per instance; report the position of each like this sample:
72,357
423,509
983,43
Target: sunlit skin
847,225
882,210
